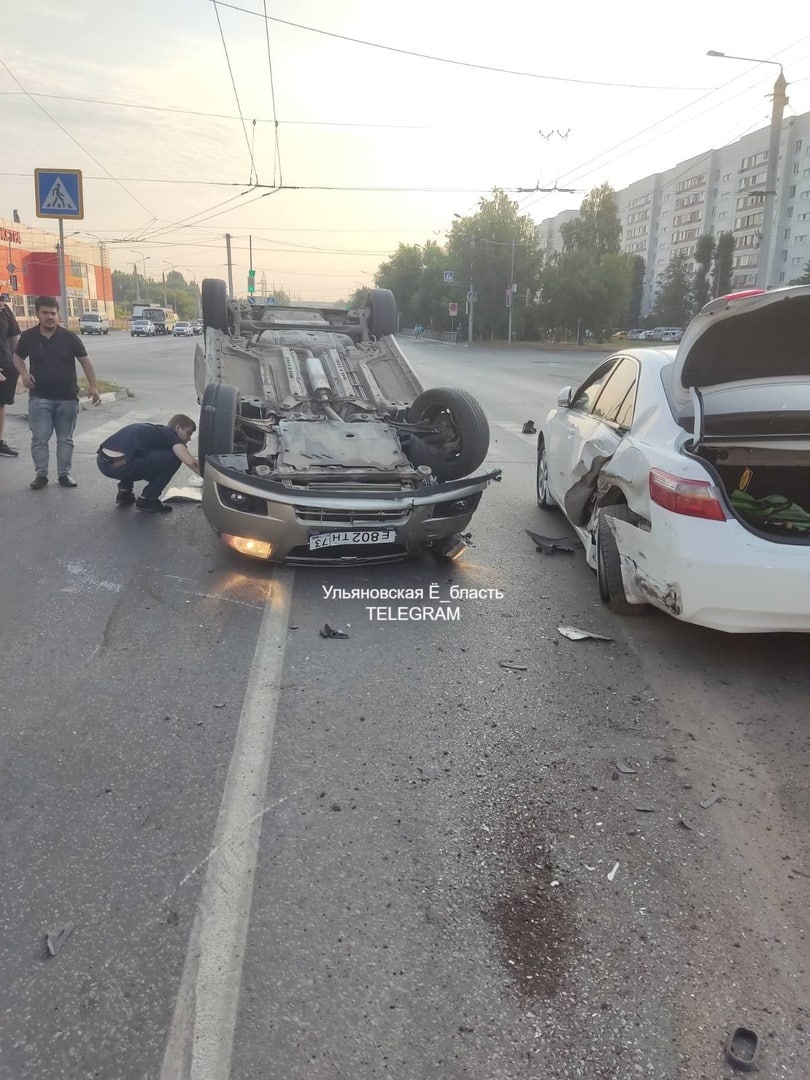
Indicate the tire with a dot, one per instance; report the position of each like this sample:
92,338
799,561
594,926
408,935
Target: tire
383,308
608,565
462,440
214,304
544,499
218,412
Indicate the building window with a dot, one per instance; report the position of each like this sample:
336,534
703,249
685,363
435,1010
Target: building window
784,256
792,191
798,146
801,239
796,169
781,277
787,234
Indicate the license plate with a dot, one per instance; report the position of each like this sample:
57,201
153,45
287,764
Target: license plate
352,537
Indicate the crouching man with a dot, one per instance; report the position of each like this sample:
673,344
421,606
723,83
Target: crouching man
150,452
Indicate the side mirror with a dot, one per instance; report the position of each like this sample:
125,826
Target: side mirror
564,397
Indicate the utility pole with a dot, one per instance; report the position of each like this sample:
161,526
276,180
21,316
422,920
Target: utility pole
779,101
165,301
471,296
137,284
510,292
230,264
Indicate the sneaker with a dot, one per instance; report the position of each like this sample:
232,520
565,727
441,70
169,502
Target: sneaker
66,480
6,450
39,481
152,506
125,497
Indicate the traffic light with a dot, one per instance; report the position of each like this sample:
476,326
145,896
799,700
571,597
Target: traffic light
251,281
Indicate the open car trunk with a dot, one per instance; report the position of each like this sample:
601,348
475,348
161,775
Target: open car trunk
767,487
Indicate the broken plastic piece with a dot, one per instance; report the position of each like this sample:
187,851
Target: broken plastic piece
645,809
742,1048
183,494
549,544
529,428
622,766
612,873
684,823
328,632
573,634
510,666
55,939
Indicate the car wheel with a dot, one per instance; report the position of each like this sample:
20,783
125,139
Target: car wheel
608,565
456,438
218,412
214,304
383,309
544,499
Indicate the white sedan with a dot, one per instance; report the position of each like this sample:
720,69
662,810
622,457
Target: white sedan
686,471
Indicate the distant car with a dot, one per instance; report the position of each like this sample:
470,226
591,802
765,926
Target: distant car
683,472
183,329
93,322
197,326
646,335
141,328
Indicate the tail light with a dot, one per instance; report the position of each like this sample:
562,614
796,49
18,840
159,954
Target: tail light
694,498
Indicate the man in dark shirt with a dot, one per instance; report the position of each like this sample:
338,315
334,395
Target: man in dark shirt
9,333
151,452
52,352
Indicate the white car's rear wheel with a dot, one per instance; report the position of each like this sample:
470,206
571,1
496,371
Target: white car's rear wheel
609,567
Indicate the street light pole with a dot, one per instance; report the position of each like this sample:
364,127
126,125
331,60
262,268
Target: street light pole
511,291
780,100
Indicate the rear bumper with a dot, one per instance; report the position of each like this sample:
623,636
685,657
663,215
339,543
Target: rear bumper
716,574
285,518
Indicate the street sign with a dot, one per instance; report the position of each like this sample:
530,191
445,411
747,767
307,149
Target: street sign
508,297
251,300
449,277
59,193
12,269
452,309
472,297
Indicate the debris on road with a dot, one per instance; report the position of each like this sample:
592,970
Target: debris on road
183,494
328,632
573,634
549,544
684,823
711,801
612,873
742,1049
55,939
529,428
623,767
510,666
645,809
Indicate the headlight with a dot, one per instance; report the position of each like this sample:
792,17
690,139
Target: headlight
259,549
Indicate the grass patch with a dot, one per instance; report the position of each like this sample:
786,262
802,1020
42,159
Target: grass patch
104,387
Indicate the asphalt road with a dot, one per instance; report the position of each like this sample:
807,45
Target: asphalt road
389,855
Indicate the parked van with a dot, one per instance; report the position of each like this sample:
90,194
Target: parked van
93,322
659,333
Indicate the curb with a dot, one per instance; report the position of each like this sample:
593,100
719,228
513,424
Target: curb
106,399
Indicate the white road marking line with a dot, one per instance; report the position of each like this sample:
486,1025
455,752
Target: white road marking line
200,1041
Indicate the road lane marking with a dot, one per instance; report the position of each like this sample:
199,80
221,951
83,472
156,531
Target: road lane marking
200,1041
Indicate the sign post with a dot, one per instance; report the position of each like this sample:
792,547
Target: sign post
59,195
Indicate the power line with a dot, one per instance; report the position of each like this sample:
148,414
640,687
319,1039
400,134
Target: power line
445,60
72,138
253,171
276,146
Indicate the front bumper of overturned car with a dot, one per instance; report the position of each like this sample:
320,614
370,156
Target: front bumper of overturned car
281,519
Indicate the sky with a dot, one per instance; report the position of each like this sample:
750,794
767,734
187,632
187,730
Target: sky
327,133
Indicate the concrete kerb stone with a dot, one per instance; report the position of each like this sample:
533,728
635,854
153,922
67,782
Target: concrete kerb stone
106,399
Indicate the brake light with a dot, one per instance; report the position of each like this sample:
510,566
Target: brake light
694,498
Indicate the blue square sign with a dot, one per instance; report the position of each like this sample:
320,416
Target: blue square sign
59,193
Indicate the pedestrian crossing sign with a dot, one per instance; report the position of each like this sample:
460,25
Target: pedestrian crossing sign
59,193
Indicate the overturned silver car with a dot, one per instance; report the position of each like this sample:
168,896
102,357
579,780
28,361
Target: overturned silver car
317,441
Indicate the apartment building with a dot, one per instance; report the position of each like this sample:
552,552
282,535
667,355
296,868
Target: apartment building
718,191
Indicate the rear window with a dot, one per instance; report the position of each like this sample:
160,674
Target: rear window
91,318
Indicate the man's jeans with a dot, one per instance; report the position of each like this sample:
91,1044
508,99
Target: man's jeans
157,467
45,417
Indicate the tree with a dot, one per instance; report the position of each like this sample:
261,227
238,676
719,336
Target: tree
632,313
598,227
804,279
402,274
704,253
723,262
480,249
673,304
